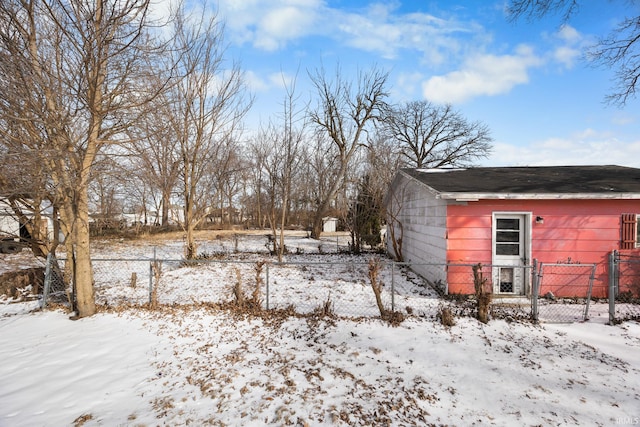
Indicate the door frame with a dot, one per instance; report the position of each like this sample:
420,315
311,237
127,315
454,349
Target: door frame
525,258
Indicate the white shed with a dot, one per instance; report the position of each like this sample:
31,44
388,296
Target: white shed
329,224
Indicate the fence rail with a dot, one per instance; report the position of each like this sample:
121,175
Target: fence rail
552,292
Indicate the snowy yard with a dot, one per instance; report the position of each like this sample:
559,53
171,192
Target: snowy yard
194,364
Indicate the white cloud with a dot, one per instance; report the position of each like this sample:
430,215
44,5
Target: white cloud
270,25
363,33
255,82
281,80
378,28
569,34
406,86
381,30
482,75
570,50
283,24
587,147
623,118
567,56
160,10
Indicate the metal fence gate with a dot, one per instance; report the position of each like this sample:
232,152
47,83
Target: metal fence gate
624,287
561,293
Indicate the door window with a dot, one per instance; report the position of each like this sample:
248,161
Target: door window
508,236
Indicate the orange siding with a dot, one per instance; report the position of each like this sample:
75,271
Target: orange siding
577,231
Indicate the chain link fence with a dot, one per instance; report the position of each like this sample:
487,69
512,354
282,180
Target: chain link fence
303,286
562,292
624,292
455,282
307,283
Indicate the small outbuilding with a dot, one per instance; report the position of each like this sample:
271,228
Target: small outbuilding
329,224
508,216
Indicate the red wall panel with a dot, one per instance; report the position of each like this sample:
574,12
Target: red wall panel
578,231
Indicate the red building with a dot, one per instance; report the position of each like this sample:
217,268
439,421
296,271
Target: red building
509,216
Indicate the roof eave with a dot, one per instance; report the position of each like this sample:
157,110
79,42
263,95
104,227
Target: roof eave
469,197
429,188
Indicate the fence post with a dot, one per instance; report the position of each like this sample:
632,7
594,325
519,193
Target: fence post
612,287
535,291
591,279
47,281
151,265
393,287
267,287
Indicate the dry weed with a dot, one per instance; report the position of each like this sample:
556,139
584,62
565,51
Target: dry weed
79,422
325,309
483,295
446,317
393,317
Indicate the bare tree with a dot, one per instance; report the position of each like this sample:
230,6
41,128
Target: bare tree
344,113
321,169
259,149
619,50
76,81
155,159
282,165
270,161
537,9
106,194
393,204
382,162
206,105
434,136
229,175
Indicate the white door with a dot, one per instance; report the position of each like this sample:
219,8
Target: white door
509,253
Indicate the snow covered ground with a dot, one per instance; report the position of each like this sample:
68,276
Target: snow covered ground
194,364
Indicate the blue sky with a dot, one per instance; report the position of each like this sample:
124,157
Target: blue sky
525,80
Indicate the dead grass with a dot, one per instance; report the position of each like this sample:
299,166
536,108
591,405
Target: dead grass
21,283
325,309
446,317
79,422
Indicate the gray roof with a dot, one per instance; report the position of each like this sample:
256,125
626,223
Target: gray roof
532,182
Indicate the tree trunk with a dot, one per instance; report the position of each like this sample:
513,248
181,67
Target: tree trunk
166,203
283,219
83,272
190,249
316,225
396,241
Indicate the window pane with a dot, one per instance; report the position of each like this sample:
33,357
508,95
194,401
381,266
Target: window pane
507,236
507,249
508,224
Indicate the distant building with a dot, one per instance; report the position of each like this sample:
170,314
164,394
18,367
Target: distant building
329,224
